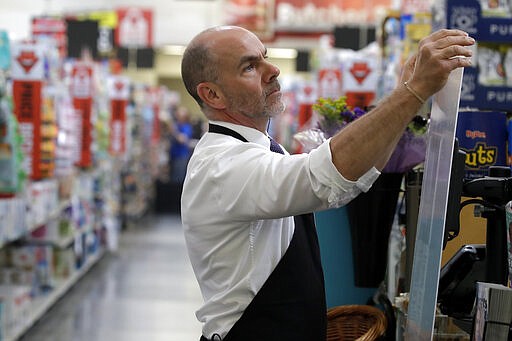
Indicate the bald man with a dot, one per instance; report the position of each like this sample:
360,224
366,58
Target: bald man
247,204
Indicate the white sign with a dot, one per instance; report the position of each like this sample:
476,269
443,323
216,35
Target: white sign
119,87
27,61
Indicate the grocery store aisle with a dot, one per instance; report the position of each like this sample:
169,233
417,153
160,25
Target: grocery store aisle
144,291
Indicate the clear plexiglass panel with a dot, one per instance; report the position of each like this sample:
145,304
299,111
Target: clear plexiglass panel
431,219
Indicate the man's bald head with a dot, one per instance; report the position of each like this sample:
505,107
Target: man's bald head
199,63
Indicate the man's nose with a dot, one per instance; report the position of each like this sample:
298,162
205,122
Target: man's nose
272,72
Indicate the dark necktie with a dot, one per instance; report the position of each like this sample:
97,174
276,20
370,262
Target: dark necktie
275,147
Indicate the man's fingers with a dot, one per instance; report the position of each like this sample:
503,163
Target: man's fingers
459,61
448,47
446,38
454,41
456,51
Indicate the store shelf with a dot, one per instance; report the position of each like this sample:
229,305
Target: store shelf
40,305
52,216
34,226
60,244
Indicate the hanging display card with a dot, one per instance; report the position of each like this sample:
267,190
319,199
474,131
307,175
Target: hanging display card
329,83
135,27
81,90
119,93
360,81
27,74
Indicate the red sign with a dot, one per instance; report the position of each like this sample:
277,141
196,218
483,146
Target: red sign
135,27
84,109
360,70
27,108
81,90
360,81
27,75
27,60
118,126
119,93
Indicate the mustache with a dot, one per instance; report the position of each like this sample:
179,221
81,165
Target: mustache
275,87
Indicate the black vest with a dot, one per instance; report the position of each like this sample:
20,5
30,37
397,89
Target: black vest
291,304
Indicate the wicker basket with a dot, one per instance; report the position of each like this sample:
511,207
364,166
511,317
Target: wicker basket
355,322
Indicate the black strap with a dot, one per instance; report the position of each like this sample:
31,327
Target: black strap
214,128
215,337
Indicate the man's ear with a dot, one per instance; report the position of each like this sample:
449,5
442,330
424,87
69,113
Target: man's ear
211,95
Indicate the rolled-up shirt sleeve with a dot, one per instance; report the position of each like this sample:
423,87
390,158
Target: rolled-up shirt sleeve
334,185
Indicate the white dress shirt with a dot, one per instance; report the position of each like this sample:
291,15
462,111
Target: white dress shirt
237,208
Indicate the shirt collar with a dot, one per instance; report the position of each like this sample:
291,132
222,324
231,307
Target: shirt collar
250,134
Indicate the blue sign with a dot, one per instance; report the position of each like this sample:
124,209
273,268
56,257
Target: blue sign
483,136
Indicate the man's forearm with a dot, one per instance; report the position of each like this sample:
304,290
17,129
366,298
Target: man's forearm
369,141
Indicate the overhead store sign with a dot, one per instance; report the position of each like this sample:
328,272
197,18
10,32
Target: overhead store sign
255,15
135,27
322,15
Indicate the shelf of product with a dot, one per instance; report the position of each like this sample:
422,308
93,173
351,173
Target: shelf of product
141,168
50,242
26,311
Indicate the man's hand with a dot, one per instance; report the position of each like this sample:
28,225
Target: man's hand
438,54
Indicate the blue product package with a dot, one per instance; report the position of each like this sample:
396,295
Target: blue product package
483,136
5,51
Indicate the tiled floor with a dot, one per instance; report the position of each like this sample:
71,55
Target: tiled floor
146,291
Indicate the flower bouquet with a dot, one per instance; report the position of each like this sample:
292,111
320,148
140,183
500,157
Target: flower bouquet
335,114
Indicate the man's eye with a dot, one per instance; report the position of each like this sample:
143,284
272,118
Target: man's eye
249,67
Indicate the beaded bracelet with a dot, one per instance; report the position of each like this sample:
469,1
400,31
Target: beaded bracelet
412,91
